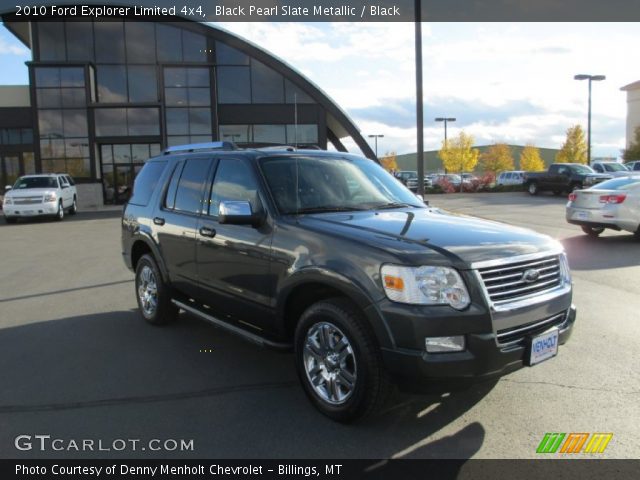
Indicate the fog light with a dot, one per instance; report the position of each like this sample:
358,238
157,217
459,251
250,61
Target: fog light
444,344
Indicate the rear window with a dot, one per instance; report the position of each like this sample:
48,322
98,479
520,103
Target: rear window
623,183
145,182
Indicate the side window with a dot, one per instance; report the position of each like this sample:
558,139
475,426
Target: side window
170,197
234,180
190,186
145,182
69,180
563,171
63,182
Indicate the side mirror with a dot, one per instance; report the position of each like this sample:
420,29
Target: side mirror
7,188
237,213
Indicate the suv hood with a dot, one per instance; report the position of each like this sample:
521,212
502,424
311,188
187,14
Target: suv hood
462,239
29,192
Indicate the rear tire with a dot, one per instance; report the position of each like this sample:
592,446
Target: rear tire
592,231
339,362
533,189
152,293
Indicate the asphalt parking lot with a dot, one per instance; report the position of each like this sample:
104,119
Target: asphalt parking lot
78,363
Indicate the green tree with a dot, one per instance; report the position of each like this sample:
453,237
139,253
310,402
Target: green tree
574,149
497,158
530,159
458,155
388,161
633,152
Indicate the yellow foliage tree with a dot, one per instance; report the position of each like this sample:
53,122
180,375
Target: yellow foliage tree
458,155
497,158
574,149
388,161
530,160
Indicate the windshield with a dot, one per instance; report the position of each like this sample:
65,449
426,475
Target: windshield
35,182
582,169
615,167
326,184
623,183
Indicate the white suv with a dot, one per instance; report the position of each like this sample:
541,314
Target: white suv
48,194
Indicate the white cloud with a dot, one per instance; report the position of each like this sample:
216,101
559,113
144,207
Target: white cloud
16,48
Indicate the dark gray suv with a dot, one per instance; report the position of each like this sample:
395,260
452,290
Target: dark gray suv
326,254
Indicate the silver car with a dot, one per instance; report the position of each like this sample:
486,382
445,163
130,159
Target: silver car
613,204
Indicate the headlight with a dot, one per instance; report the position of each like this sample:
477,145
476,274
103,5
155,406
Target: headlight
425,286
564,268
50,197
7,201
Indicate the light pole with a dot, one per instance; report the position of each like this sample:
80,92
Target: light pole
445,120
377,136
591,78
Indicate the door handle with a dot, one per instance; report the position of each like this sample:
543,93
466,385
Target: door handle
207,232
158,221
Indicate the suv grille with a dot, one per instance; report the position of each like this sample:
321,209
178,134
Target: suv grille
507,282
517,334
26,200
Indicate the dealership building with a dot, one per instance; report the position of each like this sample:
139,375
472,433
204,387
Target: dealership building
104,96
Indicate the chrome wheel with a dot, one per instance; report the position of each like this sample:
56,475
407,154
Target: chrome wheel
60,211
329,363
148,291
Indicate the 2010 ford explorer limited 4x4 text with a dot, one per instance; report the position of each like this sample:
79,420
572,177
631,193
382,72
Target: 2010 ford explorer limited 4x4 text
328,254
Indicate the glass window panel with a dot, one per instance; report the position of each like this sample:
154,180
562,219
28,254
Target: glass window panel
154,149
109,42
13,135
53,166
75,123
189,194
51,39
27,135
142,84
169,43
198,77
51,148
303,134
143,121
106,153
145,183
177,121
199,121
76,147
175,96
178,140
269,134
295,94
111,122
200,97
108,183
77,167
112,84
234,181
170,198
140,41
72,77
47,77
200,138
226,55
29,163
139,152
122,154
267,85
48,97
175,77
50,123
72,97
233,85
79,41
194,47
235,133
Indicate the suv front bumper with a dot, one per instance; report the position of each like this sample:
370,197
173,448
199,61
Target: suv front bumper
31,210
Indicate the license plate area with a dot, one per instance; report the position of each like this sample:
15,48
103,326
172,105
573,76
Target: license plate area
581,215
542,347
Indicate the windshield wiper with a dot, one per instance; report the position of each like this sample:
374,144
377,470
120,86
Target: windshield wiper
327,208
393,205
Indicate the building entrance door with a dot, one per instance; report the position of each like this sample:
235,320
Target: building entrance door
9,169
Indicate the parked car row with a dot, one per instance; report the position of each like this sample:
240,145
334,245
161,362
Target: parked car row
49,194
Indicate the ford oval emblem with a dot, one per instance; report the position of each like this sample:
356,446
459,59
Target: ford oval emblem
530,276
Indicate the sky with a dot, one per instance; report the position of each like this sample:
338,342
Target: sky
503,82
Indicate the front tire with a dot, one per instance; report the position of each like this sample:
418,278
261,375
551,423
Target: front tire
74,207
60,212
152,293
532,188
10,220
592,231
339,362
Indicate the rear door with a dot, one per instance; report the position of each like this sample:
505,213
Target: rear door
67,194
177,219
233,260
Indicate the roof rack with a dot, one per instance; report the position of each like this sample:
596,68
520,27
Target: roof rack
201,146
289,148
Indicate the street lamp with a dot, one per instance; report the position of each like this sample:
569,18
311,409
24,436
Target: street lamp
445,120
591,78
376,137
